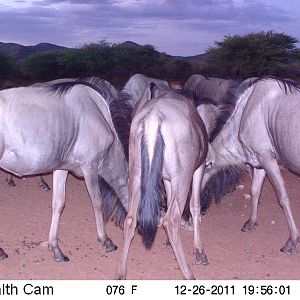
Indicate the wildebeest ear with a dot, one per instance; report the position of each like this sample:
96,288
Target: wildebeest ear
148,94
152,87
210,159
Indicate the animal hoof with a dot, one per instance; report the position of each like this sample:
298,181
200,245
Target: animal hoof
289,247
188,225
120,277
45,187
168,244
203,212
62,258
109,246
11,184
3,255
249,227
58,255
201,258
190,277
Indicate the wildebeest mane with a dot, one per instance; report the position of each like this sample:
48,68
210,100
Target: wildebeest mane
112,208
226,108
195,98
103,87
121,113
220,184
289,85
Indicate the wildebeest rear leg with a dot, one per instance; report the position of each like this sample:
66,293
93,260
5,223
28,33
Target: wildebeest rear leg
129,226
256,187
171,222
10,180
58,203
167,185
195,208
92,184
43,184
3,255
272,169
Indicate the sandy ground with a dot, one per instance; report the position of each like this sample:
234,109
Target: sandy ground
25,219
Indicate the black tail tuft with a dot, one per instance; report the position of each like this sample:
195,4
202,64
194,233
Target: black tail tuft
151,185
112,206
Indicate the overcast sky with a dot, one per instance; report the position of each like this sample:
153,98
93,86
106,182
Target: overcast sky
177,27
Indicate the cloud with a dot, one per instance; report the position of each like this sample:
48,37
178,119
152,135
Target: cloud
174,26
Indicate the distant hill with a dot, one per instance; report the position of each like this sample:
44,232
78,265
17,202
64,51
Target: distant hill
198,58
20,52
129,44
195,58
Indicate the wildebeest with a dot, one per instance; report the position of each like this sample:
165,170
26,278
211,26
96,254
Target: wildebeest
168,143
262,131
135,86
215,101
61,128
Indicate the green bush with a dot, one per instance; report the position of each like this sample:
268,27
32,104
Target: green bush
254,54
7,65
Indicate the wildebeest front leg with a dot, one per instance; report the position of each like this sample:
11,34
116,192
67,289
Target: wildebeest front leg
272,169
58,203
43,184
195,208
92,184
256,187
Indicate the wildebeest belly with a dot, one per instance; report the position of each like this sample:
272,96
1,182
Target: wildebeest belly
30,147
285,133
22,160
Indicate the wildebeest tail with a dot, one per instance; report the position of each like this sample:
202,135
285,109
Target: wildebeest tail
151,186
112,206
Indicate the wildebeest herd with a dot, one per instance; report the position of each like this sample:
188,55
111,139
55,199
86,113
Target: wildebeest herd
148,152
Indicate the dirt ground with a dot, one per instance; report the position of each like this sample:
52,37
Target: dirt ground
25,219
